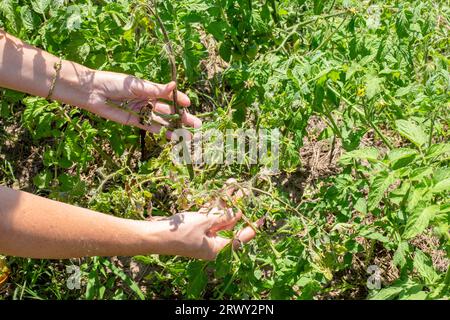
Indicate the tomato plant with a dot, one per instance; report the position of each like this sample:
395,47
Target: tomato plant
359,91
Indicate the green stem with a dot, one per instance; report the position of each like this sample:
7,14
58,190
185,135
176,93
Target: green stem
430,138
305,23
275,16
364,117
329,36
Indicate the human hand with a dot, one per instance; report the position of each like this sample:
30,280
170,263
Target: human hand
110,88
195,234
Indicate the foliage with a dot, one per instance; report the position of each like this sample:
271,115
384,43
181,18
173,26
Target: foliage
376,73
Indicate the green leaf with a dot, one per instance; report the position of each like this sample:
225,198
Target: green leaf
373,85
26,16
223,268
400,254
225,50
414,197
420,295
437,150
387,293
412,132
399,158
218,29
414,292
117,144
7,9
40,6
402,25
370,154
318,6
370,234
419,221
441,186
423,265
124,277
197,279
361,205
354,67
42,180
398,289
379,186
403,91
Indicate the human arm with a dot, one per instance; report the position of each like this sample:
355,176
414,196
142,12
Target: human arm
29,69
32,226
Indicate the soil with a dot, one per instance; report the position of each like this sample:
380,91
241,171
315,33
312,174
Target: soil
318,161
18,150
429,244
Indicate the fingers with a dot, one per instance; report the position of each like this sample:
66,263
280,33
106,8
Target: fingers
182,99
187,118
225,221
151,90
231,183
191,120
248,233
242,237
231,193
132,119
153,128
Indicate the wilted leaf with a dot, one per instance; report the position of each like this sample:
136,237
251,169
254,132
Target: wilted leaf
4,271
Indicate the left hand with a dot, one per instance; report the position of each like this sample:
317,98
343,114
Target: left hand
195,234
118,88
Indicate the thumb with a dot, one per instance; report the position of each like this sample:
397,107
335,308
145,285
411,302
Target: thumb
169,88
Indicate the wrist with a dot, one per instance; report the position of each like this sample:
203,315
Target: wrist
74,84
160,237
166,237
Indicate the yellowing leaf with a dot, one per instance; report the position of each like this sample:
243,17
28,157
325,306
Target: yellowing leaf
4,271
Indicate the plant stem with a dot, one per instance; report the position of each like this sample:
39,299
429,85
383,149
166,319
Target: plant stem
171,56
329,36
304,23
361,113
173,65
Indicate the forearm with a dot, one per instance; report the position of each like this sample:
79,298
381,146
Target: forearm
32,226
29,69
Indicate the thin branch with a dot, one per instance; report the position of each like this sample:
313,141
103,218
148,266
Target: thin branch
171,55
168,46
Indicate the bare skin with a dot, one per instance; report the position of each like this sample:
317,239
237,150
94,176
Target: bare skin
32,226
